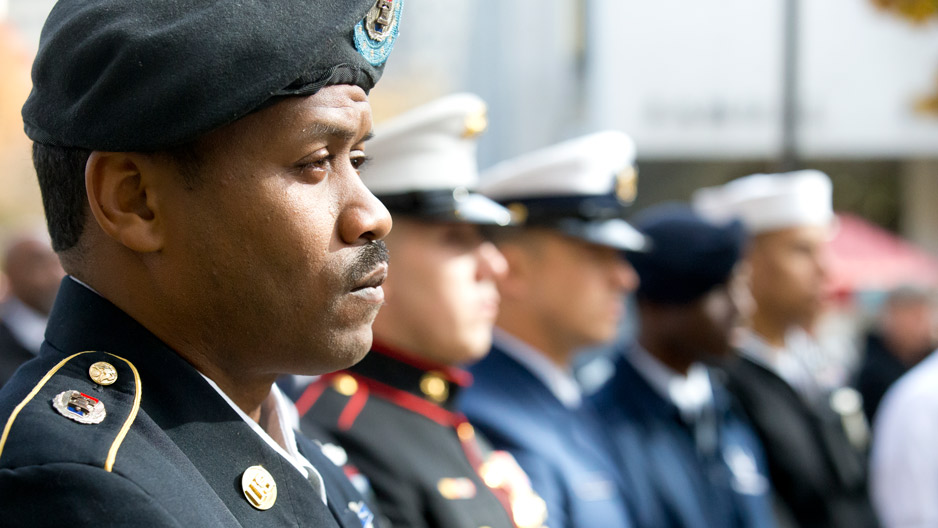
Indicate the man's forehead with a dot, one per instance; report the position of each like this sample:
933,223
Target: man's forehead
300,119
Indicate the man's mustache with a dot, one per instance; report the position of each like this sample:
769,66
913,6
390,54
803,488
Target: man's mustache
369,257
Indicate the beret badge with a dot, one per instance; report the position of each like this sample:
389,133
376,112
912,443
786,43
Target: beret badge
376,33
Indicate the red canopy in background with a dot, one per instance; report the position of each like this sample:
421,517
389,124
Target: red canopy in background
866,257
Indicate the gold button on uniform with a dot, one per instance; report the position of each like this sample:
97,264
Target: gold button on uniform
103,373
259,487
345,385
465,431
434,387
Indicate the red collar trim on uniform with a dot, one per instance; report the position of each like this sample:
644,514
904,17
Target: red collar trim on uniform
410,402
452,374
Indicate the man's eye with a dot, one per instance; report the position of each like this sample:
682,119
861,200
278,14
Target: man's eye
359,161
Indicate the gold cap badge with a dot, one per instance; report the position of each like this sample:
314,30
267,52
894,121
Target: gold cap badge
627,185
475,124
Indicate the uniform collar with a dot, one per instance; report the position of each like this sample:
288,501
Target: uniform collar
689,393
787,362
287,421
560,382
435,383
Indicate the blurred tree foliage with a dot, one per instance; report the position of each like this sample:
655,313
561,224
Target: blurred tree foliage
918,12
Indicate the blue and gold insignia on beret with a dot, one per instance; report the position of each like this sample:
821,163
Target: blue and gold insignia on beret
376,33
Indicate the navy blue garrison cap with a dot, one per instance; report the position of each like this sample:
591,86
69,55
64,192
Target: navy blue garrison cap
144,75
688,256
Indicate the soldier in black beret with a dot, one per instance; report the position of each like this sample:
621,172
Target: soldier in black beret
198,162
667,412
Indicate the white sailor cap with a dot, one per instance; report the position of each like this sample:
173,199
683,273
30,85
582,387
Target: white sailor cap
581,187
770,202
424,163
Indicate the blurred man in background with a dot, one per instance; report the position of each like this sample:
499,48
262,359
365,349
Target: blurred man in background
813,432
664,405
565,289
905,334
904,460
34,273
394,412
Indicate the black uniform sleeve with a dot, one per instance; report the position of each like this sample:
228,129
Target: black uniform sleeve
76,495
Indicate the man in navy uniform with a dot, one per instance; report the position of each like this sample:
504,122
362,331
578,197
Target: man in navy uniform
813,429
565,289
663,404
393,412
198,163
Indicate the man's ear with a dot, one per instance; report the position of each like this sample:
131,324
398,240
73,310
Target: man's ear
122,200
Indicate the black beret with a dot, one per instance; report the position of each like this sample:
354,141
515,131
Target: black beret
144,75
688,256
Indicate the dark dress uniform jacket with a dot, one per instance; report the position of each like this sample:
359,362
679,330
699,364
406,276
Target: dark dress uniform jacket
819,476
12,353
564,451
423,471
711,473
169,452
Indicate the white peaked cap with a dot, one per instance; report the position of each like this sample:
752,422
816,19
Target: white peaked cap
586,165
770,202
431,147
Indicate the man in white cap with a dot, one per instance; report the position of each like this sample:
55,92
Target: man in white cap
812,430
565,289
394,411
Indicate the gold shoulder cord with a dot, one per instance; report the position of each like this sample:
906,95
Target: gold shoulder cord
138,388
31,395
112,453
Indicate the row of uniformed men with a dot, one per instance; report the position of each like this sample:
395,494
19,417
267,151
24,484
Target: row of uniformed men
538,246
199,169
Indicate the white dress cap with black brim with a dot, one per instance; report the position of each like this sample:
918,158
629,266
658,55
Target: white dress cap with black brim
424,163
770,202
581,187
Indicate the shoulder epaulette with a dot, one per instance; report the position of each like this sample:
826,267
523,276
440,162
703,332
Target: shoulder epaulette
80,410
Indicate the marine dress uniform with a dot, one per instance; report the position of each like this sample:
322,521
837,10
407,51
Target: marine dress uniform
395,418
109,426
